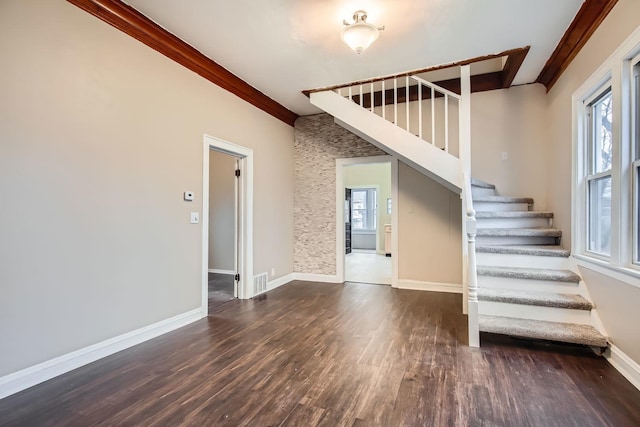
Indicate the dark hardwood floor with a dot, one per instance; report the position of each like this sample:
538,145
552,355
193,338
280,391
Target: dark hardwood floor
310,354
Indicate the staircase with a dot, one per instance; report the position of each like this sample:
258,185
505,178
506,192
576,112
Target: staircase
518,280
527,285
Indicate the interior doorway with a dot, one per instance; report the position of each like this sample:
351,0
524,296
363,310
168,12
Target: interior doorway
366,196
227,211
224,169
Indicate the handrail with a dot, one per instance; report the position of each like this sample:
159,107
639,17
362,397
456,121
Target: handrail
436,87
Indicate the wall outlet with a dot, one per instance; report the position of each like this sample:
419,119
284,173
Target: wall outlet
273,272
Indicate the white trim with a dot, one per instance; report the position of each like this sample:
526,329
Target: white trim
245,240
323,278
217,271
625,275
418,285
624,364
276,283
340,186
36,374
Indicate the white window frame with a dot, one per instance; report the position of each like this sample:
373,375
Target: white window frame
618,72
634,75
591,175
369,209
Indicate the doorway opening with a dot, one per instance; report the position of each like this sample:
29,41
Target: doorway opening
366,194
227,223
224,171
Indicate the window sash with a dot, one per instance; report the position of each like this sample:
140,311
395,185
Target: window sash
364,218
636,212
599,215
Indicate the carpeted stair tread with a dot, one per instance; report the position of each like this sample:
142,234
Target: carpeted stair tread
503,199
538,329
552,251
529,273
519,232
482,184
539,299
514,214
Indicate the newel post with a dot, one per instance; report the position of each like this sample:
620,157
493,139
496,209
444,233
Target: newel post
474,329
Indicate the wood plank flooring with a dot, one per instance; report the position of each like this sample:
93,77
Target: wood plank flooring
310,354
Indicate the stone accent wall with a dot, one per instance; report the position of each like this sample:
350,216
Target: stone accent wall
318,142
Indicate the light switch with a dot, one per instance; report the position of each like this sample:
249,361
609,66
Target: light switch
505,155
195,217
188,196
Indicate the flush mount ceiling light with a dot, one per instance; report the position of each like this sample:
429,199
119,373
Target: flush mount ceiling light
360,34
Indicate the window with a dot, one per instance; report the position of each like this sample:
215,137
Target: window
635,167
364,214
598,180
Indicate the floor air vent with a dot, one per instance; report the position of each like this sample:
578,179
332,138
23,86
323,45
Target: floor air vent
260,283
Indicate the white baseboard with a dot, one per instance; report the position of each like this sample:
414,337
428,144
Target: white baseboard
625,365
217,271
417,285
276,283
324,278
28,377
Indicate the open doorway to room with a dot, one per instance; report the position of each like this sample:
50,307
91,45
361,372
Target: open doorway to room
223,226
366,223
227,223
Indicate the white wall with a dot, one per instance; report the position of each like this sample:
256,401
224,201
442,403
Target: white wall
100,136
222,211
378,174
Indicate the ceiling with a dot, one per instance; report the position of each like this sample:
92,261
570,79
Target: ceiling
282,47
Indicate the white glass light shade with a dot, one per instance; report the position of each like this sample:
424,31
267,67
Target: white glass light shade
359,36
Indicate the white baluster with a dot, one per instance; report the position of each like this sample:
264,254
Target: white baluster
395,101
361,103
350,94
420,110
406,100
446,122
433,116
371,97
384,105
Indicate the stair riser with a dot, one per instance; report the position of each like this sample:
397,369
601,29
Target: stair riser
551,314
523,284
519,285
479,191
500,207
515,240
523,261
514,222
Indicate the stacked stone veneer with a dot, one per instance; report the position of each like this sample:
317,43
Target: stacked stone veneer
318,143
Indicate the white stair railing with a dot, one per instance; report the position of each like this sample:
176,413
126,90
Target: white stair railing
376,96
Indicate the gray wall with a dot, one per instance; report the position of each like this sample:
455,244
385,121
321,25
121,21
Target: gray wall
100,136
222,184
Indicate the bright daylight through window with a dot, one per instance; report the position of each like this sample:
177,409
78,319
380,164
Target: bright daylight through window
363,213
600,146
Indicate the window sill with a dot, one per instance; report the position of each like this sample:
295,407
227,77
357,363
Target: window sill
630,276
363,231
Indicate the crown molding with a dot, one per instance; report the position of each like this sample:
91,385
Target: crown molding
585,23
130,21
